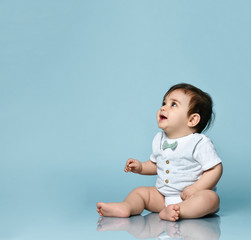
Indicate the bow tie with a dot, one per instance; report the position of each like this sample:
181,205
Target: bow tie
167,145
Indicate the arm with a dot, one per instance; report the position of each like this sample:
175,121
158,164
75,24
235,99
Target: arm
208,181
209,178
144,168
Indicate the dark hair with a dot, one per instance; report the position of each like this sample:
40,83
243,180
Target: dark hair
200,103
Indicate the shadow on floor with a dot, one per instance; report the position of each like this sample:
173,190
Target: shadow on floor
151,226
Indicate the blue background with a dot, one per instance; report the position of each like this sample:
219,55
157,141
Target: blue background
80,85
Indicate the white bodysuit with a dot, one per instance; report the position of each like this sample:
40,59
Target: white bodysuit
181,167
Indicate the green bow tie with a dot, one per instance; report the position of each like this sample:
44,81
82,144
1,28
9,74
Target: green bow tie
167,145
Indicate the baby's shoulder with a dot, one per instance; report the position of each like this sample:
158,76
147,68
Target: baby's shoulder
204,142
202,138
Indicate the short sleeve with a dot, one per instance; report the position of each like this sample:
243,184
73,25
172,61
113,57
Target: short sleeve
153,158
206,154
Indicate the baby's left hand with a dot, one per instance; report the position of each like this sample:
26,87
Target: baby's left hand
188,192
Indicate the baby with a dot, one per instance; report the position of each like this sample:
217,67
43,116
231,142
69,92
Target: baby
184,159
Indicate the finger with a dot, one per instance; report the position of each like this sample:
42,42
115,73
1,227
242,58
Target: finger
127,169
132,165
128,162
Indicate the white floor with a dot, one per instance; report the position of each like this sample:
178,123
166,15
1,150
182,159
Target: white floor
69,223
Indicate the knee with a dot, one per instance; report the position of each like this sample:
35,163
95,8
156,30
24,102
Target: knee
213,197
140,191
143,193
212,200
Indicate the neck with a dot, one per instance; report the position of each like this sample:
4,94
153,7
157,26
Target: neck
176,135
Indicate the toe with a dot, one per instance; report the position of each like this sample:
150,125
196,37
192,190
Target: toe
99,204
99,212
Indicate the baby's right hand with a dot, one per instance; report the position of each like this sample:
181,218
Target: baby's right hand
133,165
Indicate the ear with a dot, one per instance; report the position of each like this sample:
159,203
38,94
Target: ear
193,120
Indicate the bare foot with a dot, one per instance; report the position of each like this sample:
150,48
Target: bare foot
113,209
170,213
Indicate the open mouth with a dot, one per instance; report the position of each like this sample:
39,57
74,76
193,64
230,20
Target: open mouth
162,117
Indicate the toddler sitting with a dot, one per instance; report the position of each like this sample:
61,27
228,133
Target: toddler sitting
184,159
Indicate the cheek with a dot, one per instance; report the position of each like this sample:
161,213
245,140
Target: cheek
183,118
179,118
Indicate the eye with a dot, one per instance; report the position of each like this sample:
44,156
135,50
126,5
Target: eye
163,103
174,104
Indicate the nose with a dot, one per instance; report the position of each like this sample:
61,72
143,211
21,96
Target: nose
163,108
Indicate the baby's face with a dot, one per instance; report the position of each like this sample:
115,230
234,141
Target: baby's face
172,116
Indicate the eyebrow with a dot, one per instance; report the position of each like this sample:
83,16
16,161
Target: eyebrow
174,100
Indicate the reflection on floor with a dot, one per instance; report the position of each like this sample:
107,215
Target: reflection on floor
151,226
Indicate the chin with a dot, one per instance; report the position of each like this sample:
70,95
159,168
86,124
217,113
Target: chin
161,127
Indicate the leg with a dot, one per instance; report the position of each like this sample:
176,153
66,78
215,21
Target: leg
198,205
139,199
